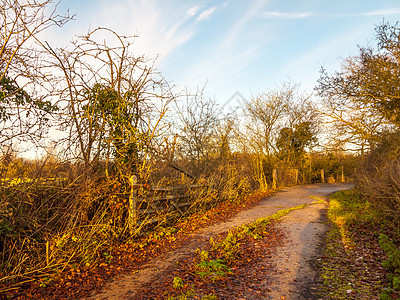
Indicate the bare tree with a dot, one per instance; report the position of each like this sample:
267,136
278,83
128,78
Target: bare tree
271,112
112,100
350,125
197,120
24,107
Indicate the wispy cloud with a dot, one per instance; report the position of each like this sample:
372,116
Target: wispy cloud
160,26
286,15
230,57
193,10
206,14
389,11
237,29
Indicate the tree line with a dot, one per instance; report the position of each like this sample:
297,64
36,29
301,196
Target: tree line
115,109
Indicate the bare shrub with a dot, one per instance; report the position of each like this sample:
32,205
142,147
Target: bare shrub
379,177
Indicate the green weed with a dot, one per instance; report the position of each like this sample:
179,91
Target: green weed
392,263
212,270
177,283
210,297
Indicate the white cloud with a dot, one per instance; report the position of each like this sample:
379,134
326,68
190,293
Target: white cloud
206,14
193,10
285,15
161,26
389,11
230,57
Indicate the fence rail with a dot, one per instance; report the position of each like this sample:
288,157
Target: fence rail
152,205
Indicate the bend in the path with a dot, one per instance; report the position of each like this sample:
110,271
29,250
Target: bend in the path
127,284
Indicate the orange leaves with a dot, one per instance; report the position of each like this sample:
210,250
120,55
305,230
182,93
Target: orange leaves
78,283
247,277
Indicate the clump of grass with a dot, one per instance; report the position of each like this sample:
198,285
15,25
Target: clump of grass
351,207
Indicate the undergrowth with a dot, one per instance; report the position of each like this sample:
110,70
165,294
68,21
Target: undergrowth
134,249
392,264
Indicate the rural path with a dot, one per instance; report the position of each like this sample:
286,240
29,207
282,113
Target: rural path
294,273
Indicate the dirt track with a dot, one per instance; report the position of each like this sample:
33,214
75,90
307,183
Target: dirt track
295,274
305,232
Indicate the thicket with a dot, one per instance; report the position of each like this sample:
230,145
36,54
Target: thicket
378,176
48,224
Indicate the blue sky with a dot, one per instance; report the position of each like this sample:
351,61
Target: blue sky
236,46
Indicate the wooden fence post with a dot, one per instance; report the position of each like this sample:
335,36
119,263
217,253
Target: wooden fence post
47,252
263,180
342,180
322,176
132,216
274,178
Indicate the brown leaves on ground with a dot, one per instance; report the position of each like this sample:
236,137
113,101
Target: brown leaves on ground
249,277
75,283
355,273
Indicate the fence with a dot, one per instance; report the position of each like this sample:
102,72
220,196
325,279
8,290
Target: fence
154,205
287,177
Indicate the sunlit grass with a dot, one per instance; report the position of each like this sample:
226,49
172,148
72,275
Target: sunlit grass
349,207
16,181
348,211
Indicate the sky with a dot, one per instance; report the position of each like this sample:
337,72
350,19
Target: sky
237,48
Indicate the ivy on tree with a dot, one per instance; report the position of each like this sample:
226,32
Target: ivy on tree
14,97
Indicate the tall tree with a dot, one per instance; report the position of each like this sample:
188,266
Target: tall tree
364,97
280,125
293,142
